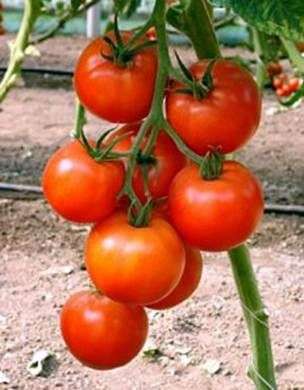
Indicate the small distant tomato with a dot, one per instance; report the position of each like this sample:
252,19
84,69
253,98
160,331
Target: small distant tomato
294,84
101,333
274,68
188,283
79,188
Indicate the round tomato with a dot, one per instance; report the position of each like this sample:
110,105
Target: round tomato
168,162
274,68
79,188
226,118
219,214
294,84
188,283
113,92
134,265
101,333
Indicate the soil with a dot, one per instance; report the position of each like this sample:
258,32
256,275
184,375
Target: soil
42,257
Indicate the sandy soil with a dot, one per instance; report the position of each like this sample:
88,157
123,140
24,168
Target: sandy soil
36,247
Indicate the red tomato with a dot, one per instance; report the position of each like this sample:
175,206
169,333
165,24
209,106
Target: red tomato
134,265
101,333
151,34
274,68
294,84
219,214
112,92
227,117
188,283
278,81
79,188
169,161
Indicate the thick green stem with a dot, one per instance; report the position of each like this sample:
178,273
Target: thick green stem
294,54
261,370
31,12
198,27
258,38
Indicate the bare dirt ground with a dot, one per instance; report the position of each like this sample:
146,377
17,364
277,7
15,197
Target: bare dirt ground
36,246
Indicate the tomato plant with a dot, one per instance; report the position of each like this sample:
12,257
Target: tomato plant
196,114
101,333
118,90
213,215
134,264
79,188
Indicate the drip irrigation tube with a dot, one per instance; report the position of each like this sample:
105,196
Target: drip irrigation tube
54,72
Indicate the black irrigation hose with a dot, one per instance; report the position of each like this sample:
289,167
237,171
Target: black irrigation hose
21,191
53,72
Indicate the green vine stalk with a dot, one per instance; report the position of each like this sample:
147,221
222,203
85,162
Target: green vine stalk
18,48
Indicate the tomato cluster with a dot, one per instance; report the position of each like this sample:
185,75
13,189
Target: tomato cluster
212,206
282,84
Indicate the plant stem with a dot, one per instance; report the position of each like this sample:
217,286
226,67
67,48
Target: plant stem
294,54
17,52
72,13
258,38
261,370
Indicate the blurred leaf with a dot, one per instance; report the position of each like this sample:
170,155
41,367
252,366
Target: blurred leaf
279,17
126,7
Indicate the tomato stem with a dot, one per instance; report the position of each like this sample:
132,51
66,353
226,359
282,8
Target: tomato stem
261,370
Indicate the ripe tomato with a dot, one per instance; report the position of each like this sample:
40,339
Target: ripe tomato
219,214
279,81
169,161
101,333
134,265
79,188
274,68
294,84
113,92
188,283
227,117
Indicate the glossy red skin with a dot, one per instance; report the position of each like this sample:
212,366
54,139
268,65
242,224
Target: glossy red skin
216,215
111,92
134,265
226,118
294,84
188,283
101,333
169,161
78,188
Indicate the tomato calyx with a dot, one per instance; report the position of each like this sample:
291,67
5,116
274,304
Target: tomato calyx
142,217
198,88
212,165
121,53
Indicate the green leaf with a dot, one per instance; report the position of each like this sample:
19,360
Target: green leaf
278,17
126,7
